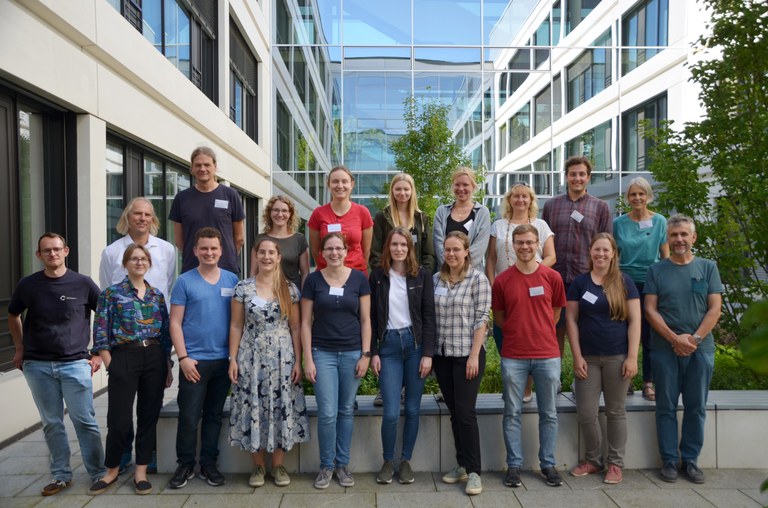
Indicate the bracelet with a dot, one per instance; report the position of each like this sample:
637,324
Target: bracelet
183,358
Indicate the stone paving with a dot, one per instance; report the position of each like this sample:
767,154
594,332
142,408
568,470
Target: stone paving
24,471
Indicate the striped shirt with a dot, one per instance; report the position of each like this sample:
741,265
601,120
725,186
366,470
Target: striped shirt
460,309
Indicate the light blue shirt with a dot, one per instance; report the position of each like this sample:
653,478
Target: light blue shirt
639,244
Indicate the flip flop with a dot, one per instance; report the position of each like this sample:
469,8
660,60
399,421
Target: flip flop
649,393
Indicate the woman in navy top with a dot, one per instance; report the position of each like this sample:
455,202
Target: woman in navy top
603,321
336,340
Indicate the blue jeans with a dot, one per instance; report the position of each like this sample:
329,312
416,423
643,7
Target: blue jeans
689,376
400,359
204,399
52,384
546,376
335,390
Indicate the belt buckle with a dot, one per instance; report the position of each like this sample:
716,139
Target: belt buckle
145,342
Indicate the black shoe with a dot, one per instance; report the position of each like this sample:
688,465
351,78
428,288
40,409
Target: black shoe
180,477
668,472
512,478
693,472
552,477
212,475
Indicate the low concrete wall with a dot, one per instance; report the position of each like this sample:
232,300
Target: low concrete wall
734,436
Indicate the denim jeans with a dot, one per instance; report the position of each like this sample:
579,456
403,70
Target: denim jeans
335,390
52,384
546,376
400,359
689,376
204,399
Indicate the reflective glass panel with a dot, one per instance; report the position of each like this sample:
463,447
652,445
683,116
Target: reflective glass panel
114,166
377,23
447,22
31,183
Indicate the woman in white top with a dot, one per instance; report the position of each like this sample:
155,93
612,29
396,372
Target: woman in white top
519,206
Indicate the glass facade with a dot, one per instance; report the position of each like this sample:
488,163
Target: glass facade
522,79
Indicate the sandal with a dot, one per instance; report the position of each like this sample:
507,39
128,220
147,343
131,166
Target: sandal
649,393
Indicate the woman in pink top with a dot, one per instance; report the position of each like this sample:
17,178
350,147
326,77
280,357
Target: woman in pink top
343,216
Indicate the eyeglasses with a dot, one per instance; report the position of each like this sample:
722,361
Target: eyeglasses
283,212
136,261
53,250
529,243
334,249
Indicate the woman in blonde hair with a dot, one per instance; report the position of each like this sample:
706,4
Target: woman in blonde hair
603,322
465,216
403,211
268,409
280,224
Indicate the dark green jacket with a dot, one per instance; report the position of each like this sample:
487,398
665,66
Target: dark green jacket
423,248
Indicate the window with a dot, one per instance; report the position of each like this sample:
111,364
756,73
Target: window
590,73
243,107
542,182
597,145
520,128
182,30
577,10
542,110
503,141
643,33
521,61
635,146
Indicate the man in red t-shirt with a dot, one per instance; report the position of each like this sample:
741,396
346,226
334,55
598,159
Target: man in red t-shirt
527,300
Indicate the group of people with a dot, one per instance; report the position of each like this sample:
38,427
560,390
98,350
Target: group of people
394,294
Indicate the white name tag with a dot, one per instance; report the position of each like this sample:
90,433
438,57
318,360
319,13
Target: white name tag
221,203
576,215
228,292
441,291
589,297
334,228
468,225
414,238
258,301
645,224
336,291
536,291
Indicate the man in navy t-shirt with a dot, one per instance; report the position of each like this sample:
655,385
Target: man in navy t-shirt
200,314
52,351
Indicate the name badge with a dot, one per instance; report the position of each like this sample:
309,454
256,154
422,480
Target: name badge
441,291
468,225
645,224
536,291
589,297
336,291
221,203
414,238
576,215
258,301
334,228
228,292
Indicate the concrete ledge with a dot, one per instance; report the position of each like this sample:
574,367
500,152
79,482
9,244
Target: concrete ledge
735,423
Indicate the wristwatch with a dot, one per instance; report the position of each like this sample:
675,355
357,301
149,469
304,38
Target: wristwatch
366,354
697,338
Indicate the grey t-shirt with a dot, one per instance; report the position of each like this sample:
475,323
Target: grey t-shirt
291,249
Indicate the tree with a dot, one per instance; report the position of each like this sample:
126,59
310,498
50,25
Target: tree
427,152
730,148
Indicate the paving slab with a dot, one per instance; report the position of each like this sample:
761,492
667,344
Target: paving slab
658,498
760,497
236,484
31,465
12,485
631,479
256,500
20,502
64,501
564,497
138,502
732,498
424,500
25,449
328,500
366,482
495,499
81,482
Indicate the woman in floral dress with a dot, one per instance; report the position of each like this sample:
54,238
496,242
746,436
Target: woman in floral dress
268,409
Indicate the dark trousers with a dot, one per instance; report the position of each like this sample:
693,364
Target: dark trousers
460,396
135,373
204,399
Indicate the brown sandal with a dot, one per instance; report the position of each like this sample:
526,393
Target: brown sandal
649,393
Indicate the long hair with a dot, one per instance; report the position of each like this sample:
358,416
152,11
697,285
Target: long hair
506,209
445,270
279,282
413,203
122,222
613,282
411,266
293,221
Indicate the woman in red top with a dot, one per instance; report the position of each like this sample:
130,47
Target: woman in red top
343,216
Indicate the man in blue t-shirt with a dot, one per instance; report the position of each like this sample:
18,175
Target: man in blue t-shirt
682,305
200,313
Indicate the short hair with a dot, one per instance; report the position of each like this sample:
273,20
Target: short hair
132,247
464,171
413,204
50,234
208,233
507,211
643,185
122,222
202,150
293,221
523,229
575,161
335,234
340,167
411,266
679,219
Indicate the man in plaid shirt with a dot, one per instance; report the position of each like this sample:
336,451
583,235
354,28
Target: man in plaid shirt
575,217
